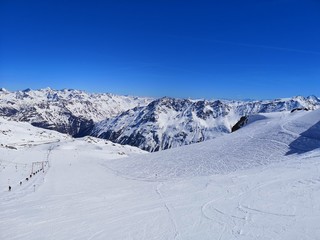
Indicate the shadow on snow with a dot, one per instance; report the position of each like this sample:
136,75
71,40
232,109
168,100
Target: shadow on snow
307,141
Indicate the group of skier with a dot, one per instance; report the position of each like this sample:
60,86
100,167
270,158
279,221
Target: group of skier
27,179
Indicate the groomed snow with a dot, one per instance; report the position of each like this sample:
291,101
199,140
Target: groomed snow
261,182
264,141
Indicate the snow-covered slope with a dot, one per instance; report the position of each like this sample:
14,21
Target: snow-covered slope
168,122
20,134
22,144
261,182
269,138
67,111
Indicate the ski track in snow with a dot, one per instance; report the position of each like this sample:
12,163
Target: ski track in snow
170,214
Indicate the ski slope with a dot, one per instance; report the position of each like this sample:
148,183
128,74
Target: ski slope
261,182
264,141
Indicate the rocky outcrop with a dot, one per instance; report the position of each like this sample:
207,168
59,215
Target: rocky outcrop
243,121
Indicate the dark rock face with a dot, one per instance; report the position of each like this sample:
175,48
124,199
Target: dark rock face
81,127
243,121
299,109
7,112
76,127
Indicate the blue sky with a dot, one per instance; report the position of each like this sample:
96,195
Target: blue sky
199,49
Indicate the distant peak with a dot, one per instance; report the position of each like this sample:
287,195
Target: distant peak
46,89
68,89
3,90
313,97
298,97
26,90
165,98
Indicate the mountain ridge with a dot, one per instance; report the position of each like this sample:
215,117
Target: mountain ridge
168,122
150,124
68,111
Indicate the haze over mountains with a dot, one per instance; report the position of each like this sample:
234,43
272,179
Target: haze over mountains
150,124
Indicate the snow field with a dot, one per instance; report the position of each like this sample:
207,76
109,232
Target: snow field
251,184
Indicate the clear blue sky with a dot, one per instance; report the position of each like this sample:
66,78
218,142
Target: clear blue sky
200,49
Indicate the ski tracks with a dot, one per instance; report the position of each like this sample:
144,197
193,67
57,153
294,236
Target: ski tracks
239,215
170,214
230,222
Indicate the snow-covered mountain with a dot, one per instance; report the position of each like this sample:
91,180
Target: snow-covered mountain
67,111
151,125
168,122
261,182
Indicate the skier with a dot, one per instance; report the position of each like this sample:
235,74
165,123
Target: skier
9,188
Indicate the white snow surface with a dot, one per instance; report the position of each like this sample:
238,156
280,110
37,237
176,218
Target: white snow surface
261,182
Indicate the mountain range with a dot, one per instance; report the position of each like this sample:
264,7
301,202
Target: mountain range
150,124
67,111
259,182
